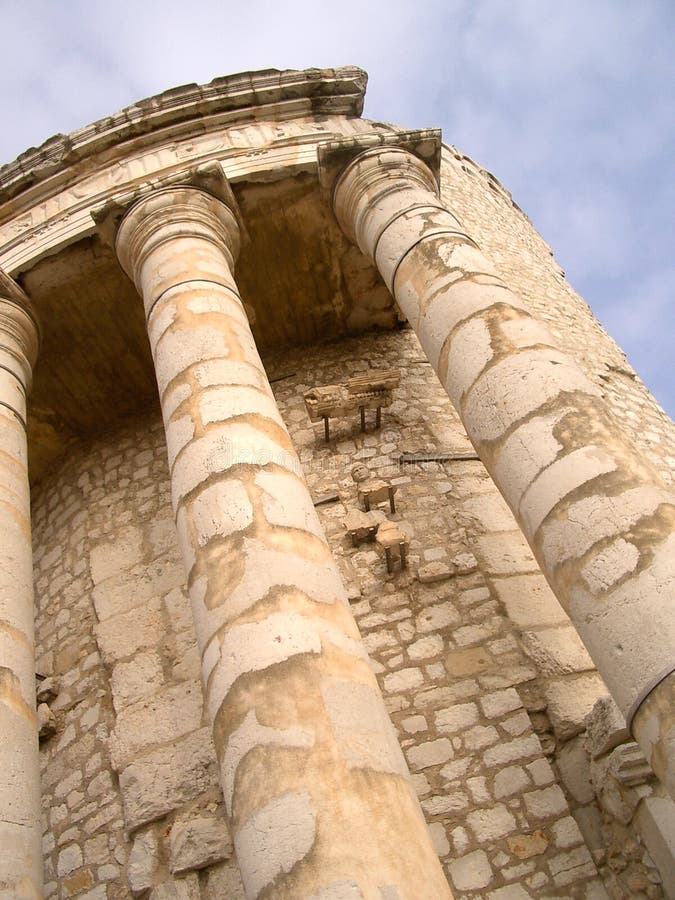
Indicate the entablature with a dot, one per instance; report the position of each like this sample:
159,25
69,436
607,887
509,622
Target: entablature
269,94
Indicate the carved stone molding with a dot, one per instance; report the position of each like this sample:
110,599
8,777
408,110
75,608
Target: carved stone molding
270,94
335,156
209,179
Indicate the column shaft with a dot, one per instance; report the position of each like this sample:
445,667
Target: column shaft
597,517
20,826
314,782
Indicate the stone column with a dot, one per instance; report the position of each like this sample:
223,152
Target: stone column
314,782
598,518
20,827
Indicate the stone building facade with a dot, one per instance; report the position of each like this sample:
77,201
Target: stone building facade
212,664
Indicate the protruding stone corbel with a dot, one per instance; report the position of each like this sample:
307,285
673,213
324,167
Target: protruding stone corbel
46,721
361,526
605,728
46,691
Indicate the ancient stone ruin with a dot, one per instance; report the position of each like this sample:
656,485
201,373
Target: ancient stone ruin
370,391
209,687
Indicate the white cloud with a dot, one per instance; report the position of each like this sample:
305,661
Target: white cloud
569,104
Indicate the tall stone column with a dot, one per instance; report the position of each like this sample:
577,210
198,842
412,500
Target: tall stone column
597,517
20,828
314,782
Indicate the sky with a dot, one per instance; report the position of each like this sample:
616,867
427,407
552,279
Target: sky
570,103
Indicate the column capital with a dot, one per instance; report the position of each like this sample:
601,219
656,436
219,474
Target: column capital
19,332
355,167
335,156
194,203
373,175
169,213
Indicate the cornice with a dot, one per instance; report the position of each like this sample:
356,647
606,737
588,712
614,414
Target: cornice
244,96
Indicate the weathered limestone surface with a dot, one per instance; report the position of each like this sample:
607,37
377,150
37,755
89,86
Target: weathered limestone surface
20,855
526,262
292,94
119,487
111,502
598,518
447,655
309,766
482,676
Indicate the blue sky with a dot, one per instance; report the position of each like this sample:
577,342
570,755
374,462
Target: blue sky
570,104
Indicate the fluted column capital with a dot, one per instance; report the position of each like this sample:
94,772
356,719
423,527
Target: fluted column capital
190,209
180,212
19,341
369,179
371,170
380,192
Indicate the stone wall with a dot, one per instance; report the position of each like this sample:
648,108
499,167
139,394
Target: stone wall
484,677
486,681
526,261
131,797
